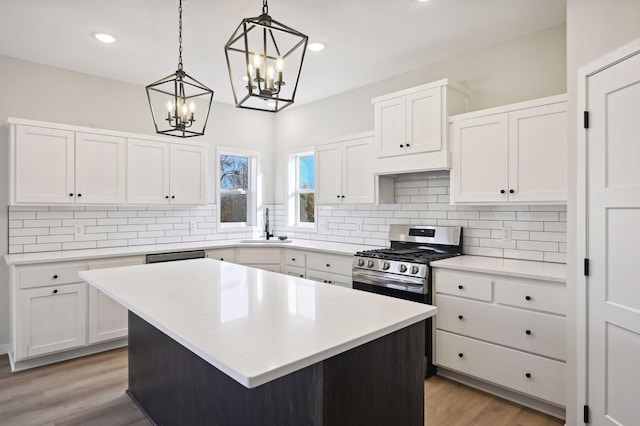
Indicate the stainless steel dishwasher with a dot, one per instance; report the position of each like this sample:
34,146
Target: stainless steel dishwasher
173,256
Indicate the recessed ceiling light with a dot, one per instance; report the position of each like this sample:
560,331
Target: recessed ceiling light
105,38
421,1
316,46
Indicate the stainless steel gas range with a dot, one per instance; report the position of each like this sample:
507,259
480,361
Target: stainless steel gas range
403,270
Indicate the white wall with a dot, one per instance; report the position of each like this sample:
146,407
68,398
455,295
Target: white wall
40,92
594,28
530,67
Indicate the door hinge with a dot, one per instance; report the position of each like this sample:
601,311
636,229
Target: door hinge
586,414
586,267
586,119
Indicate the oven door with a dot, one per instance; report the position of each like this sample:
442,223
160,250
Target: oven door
407,288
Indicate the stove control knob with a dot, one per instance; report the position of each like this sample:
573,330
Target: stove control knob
386,266
360,262
402,268
414,269
369,263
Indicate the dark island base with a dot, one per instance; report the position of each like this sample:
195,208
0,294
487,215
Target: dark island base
378,383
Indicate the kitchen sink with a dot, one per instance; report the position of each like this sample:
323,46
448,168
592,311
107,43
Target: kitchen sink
264,241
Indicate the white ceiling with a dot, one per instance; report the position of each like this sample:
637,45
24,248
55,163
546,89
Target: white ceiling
368,40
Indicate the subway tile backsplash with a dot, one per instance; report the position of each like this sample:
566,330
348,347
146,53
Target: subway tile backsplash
537,232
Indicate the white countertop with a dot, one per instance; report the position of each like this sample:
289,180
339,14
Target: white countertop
253,325
512,267
88,254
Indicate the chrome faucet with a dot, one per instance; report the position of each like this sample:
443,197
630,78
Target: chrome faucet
266,224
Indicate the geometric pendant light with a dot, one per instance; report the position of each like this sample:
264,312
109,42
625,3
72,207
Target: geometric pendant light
264,60
179,103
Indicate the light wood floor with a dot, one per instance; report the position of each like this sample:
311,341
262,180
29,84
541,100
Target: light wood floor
90,391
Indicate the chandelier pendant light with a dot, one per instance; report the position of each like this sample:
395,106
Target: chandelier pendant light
264,60
182,98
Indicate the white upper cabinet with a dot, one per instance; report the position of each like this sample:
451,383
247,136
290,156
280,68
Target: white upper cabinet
344,171
164,173
511,154
411,127
56,166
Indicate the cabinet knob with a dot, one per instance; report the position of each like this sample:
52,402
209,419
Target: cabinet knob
511,191
301,275
528,375
401,146
460,317
328,265
173,196
55,277
55,291
460,287
293,259
342,196
324,281
527,297
330,282
79,195
460,354
166,196
528,332
502,191
71,194
222,258
408,145
337,196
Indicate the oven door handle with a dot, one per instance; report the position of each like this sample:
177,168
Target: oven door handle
388,280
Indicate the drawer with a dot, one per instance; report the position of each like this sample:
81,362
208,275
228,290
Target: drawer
530,331
340,265
248,256
295,258
118,262
226,255
49,274
541,296
539,377
473,286
294,271
341,280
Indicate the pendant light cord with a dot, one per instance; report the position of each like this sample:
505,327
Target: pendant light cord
265,7
180,37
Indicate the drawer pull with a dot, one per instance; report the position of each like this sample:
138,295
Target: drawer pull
301,275
460,287
55,277
460,317
222,258
328,265
330,282
528,375
460,354
293,259
527,298
528,332
55,291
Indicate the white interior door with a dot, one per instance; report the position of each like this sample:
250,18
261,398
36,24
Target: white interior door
613,193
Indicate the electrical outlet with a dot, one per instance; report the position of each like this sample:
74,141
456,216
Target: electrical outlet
359,224
506,234
78,230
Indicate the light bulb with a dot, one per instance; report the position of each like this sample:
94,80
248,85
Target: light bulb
257,60
280,64
169,106
192,107
270,72
184,110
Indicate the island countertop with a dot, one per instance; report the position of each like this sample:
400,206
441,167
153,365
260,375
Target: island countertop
254,325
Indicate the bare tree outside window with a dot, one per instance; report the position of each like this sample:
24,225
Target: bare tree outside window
234,184
305,189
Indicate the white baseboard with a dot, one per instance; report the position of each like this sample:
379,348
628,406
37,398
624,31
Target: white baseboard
4,349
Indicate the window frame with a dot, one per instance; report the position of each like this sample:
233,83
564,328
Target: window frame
252,189
293,190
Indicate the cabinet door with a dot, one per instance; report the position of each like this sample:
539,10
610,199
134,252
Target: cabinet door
224,254
480,169
538,154
328,174
424,121
107,318
188,180
357,171
100,169
391,127
44,165
52,319
147,172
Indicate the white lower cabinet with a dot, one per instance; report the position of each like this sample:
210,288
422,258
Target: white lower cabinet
223,254
267,259
507,331
330,268
108,319
51,319
57,316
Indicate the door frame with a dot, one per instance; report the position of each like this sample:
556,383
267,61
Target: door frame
581,320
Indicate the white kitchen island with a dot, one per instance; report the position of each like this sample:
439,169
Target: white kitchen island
214,343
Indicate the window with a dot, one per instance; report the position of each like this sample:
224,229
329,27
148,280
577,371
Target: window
236,188
301,184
